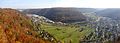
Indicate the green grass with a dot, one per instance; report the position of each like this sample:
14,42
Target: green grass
66,33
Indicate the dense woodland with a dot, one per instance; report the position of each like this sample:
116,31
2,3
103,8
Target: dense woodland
17,28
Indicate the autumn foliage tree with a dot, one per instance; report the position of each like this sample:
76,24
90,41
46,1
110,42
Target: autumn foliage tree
14,26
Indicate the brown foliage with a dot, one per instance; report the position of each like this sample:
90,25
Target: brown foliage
13,28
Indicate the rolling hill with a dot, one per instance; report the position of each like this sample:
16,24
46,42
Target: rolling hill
66,15
113,13
63,32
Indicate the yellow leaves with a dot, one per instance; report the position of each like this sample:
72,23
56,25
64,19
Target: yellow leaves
18,42
0,26
3,38
10,32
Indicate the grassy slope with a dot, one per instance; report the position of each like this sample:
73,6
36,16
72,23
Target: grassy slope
66,34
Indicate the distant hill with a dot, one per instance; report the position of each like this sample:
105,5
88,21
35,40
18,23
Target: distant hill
82,10
112,13
62,14
87,10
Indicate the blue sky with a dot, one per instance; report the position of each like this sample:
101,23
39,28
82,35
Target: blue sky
59,3
26,3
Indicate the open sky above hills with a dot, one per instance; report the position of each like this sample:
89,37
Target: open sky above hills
59,3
